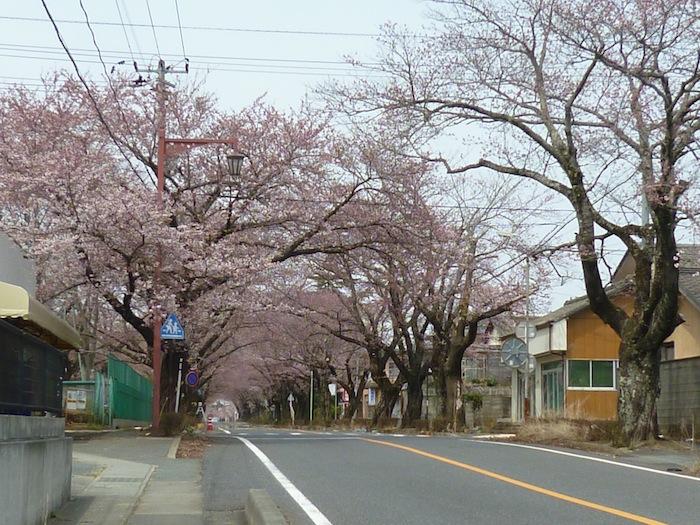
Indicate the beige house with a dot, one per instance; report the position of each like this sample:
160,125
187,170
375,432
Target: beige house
575,355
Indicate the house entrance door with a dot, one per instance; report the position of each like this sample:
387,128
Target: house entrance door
553,386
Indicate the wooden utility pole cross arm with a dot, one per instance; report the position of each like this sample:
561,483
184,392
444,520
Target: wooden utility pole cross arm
175,146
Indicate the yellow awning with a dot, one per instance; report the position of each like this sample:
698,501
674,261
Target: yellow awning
31,315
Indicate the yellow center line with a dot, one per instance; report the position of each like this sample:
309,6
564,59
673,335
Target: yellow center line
522,484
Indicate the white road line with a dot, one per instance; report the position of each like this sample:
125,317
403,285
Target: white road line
398,435
224,430
590,458
270,433
308,438
295,433
315,515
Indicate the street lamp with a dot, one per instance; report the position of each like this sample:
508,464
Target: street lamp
234,162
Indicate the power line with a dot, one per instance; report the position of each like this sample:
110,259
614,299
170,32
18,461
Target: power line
126,36
49,49
94,38
88,91
131,28
206,28
179,25
150,17
241,69
107,75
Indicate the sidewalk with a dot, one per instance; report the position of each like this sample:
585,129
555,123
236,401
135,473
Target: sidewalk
127,478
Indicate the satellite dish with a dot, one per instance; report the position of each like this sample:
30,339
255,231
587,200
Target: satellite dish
514,353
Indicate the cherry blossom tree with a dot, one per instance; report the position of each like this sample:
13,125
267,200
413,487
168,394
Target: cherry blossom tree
78,193
594,101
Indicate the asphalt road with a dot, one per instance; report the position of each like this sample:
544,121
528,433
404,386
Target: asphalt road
360,478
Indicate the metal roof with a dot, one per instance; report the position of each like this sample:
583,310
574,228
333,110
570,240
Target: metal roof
26,312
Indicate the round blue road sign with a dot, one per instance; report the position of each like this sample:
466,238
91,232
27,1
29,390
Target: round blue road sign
192,378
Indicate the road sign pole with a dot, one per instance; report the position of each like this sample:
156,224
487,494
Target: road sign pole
179,382
311,398
526,396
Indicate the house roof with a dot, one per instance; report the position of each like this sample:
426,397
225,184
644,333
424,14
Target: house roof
690,256
689,286
689,259
16,304
573,306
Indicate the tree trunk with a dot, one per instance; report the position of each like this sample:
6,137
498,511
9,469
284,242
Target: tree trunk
354,397
440,383
454,410
414,407
389,395
351,410
639,389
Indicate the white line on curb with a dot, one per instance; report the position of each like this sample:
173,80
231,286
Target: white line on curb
315,515
590,458
172,451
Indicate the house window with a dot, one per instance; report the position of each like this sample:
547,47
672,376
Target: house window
584,373
667,352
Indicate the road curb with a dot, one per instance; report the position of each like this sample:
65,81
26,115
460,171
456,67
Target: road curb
172,451
261,510
85,435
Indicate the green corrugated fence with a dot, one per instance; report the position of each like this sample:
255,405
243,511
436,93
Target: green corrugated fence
130,392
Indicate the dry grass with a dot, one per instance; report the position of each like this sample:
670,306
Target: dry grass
584,435
694,470
192,447
549,431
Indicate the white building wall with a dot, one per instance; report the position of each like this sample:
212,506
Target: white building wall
551,337
14,267
540,343
558,335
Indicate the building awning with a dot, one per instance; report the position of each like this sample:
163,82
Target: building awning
18,307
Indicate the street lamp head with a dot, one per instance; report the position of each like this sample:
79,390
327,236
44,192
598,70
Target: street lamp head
235,162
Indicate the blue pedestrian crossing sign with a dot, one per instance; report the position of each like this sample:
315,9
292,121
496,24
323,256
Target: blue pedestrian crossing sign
172,329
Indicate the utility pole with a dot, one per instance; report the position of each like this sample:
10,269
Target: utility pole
172,147
157,319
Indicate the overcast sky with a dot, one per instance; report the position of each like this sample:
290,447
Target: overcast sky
241,50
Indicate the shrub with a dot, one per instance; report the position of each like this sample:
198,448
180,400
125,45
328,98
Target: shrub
172,423
491,381
475,400
488,424
387,423
422,425
439,424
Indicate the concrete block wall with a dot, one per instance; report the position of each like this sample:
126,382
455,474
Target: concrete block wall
679,399
495,406
35,468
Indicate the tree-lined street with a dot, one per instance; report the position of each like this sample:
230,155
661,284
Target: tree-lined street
368,478
224,227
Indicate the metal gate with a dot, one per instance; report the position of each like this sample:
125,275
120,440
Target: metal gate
131,393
